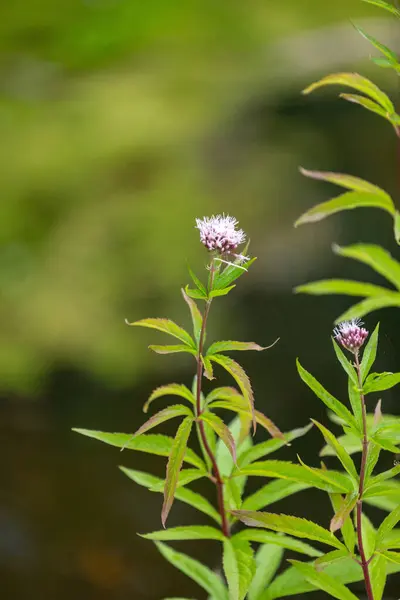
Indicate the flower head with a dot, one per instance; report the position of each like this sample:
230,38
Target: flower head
219,233
351,334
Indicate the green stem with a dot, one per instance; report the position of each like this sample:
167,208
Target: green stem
364,455
219,482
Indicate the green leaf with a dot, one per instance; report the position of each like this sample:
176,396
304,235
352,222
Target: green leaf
340,518
369,354
171,389
208,368
232,272
385,5
192,532
341,453
268,558
383,476
341,286
392,556
174,465
195,294
388,432
347,527
381,47
369,305
372,458
386,527
264,448
324,582
378,382
330,481
355,402
229,345
166,326
222,393
329,558
153,443
374,256
176,410
266,537
370,105
200,286
202,575
186,476
223,292
153,483
368,535
172,349
349,441
346,201
239,567
392,539
330,401
197,317
347,181
222,453
239,405
272,492
357,82
397,226
239,375
346,364
291,525
222,431
377,571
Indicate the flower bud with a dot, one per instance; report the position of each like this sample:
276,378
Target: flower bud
219,234
351,335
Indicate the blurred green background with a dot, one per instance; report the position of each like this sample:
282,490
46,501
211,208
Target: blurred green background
121,121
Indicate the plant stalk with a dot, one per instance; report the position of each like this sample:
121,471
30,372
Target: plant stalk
217,475
364,455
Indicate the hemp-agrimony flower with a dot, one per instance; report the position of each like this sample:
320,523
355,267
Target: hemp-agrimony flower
219,234
351,335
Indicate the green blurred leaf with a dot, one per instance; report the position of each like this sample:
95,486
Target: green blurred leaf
195,294
349,181
386,527
367,103
374,256
172,349
385,5
197,317
367,306
377,570
284,541
202,575
272,492
340,518
171,389
174,465
223,292
153,483
341,286
268,558
208,368
187,532
392,556
227,346
369,354
291,525
378,382
324,582
239,567
378,45
264,448
166,326
349,441
153,443
222,431
357,82
340,451
330,401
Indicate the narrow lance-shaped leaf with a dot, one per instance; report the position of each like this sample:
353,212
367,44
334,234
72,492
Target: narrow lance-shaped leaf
232,272
200,286
230,345
331,478
171,389
166,326
291,525
331,557
239,567
347,527
176,410
367,103
208,368
378,382
341,286
202,575
268,559
346,364
369,305
197,318
385,5
324,582
369,354
238,404
192,532
387,525
374,256
174,465
272,492
217,424
172,349
378,575
267,537
378,45
341,453
340,518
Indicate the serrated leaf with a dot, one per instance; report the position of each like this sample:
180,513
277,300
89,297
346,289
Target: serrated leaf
331,481
386,527
239,567
268,558
375,257
378,382
369,305
340,451
171,389
330,401
272,492
202,575
152,443
153,483
230,345
369,354
329,558
324,582
295,526
346,201
222,431
332,478
171,412
222,393
265,448
357,82
172,349
166,326
197,317
192,532
208,368
284,541
174,465
347,527
341,286
385,5
377,570
240,376
223,292
339,519
238,404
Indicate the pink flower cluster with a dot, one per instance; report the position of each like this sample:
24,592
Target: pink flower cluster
219,233
351,334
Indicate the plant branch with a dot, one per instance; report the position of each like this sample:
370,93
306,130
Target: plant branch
364,455
217,475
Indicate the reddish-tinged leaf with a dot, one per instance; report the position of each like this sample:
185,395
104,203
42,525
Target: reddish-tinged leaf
176,410
174,466
226,346
172,389
223,393
221,430
172,349
166,326
343,513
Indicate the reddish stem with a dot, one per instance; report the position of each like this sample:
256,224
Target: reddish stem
217,475
364,562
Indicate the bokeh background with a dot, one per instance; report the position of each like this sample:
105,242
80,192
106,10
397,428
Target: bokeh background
121,121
